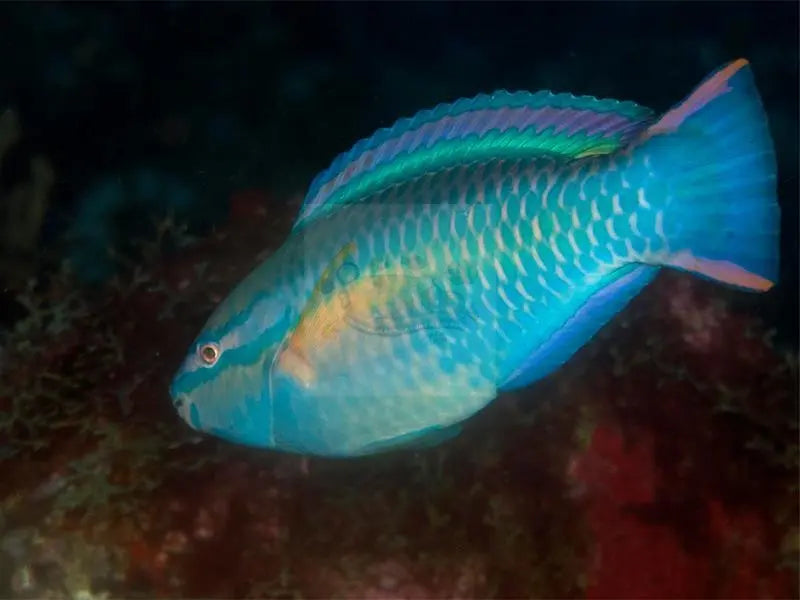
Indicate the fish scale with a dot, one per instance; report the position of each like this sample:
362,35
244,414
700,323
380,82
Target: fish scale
496,299
473,249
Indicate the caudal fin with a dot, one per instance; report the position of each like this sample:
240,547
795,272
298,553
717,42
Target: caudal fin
715,152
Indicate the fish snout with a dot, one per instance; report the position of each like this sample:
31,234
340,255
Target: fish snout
183,406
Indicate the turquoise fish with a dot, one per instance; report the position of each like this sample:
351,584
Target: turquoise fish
472,249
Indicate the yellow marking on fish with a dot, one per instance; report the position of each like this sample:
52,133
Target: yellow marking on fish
537,232
296,364
471,219
501,274
483,280
517,235
576,223
523,209
481,247
498,239
430,257
326,315
596,151
518,263
463,248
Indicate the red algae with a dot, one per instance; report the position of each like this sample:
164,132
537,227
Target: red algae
639,555
661,461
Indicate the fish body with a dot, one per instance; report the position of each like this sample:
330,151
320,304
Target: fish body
473,249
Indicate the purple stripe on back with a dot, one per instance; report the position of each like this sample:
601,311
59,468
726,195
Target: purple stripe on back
479,122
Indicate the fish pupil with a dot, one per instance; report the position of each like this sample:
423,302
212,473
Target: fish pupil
209,354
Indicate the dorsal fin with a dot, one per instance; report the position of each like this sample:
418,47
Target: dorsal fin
499,125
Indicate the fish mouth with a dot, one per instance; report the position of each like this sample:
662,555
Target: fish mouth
179,401
183,405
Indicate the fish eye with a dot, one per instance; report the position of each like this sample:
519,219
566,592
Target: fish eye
209,353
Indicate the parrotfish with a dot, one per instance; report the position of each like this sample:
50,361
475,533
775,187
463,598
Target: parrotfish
472,249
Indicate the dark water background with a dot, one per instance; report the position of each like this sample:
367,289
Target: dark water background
225,96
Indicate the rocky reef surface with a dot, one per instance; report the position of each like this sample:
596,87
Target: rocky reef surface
661,461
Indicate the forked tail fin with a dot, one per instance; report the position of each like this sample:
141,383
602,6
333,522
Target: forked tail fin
714,151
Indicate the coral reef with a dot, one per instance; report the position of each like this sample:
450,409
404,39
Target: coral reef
661,461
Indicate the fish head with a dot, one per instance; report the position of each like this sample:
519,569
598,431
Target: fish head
223,385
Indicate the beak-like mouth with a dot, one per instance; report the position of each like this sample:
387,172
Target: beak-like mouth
179,401
183,406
